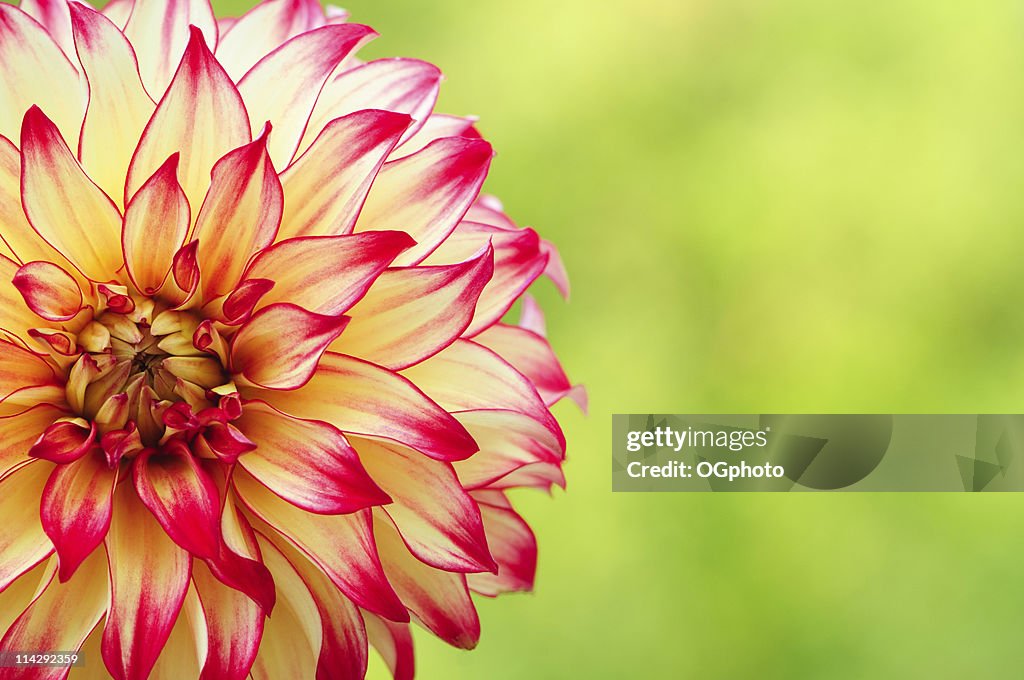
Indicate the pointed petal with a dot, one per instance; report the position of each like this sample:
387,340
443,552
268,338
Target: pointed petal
531,355
437,126
283,86
76,509
263,29
405,86
159,29
341,545
118,104
23,243
393,641
508,441
234,626
411,313
439,599
155,225
36,73
149,577
245,200
181,496
23,544
514,548
360,398
327,185
201,115
70,212
427,193
437,519
280,346
308,272
77,606
49,291
308,463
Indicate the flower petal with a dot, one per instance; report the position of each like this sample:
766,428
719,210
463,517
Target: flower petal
149,576
49,291
201,115
234,627
439,599
284,85
360,398
76,509
341,545
439,522
23,243
411,313
280,346
19,432
305,271
118,104
61,616
327,185
54,16
435,127
512,544
156,222
23,544
182,655
508,441
159,29
407,86
64,206
306,462
36,73
531,355
245,200
393,641
262,29
20,368
17,596
427,193
64,442
181,496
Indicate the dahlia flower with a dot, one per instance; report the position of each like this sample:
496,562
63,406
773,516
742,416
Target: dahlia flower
259,408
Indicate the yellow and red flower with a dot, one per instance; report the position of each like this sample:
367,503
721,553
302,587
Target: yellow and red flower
258,407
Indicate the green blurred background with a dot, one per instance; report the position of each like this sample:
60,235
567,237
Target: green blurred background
797,205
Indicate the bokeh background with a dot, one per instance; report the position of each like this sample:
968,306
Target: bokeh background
796,205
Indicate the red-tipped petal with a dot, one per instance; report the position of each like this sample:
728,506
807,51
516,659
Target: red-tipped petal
181,496
531,355
156,222
283,87
341,545
64,442
240,305
234,627
308,463
245,200
305,271
64,206
149,576
393,641
201,115
280,346
76,509
54,16
437,126
262,29
118,104
360,398
427,193
327,185
438,520
49,291
411,313
20,242
512,544
159,29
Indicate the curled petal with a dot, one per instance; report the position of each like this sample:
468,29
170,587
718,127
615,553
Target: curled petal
360,398
149,577
64,206
201,116
76,509
156,222
23,543
284,85
49,291
245,200
181,496
240,305
305,271
64,442
308,463
279,348
118,104
411,313
327,185
439,522
427,193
